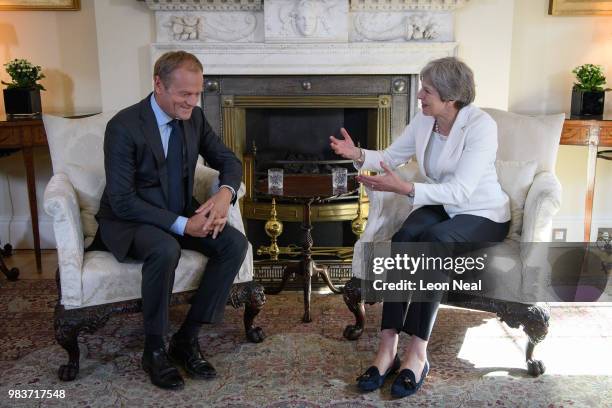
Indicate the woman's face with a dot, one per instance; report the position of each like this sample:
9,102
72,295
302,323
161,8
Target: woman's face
431,103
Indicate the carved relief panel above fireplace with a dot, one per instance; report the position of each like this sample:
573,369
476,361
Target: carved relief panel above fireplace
302,37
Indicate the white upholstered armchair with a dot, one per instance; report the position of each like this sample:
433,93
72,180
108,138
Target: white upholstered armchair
93,285
526,156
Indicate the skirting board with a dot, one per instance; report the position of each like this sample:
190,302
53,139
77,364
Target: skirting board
575,226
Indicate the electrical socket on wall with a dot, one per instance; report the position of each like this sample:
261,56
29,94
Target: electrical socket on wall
559,234
602,231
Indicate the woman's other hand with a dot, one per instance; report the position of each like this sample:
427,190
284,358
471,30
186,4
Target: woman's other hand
345,147
388,181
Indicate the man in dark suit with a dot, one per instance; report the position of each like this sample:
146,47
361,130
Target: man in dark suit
147,211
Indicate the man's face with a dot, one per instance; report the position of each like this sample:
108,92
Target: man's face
182,94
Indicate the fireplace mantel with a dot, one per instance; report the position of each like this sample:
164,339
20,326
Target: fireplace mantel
295,37
315,59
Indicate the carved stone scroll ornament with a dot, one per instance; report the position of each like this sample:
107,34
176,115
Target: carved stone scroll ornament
228,27
185,28
387,27
225,27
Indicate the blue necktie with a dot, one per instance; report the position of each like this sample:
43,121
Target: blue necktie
174,165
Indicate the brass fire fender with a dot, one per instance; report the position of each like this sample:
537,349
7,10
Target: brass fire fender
234,136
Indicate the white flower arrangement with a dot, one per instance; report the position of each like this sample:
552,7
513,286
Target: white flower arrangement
23,74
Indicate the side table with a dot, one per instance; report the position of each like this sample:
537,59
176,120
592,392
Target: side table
305,190
593,133
24,135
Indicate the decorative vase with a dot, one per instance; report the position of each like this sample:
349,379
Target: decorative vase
587,103
22,101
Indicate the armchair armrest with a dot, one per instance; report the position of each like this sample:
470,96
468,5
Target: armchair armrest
205,184
542,203
387,212
60,202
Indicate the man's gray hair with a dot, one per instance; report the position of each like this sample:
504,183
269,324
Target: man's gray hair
171,60
453,80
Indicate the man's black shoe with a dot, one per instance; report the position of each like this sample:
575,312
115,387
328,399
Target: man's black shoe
160,369
187,353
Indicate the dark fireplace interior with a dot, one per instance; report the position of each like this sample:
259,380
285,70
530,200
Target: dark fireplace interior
301,136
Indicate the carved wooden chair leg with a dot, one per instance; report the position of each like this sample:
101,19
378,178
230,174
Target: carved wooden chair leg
535,326
13,273
535,321
352,297
251,294
70,323
66,334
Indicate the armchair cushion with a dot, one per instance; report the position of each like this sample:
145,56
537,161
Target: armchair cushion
525,138
105,280
76,147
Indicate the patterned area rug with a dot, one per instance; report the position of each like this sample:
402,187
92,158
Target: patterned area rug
476,361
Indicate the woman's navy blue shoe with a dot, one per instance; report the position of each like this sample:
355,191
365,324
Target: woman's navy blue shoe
372,380
405,383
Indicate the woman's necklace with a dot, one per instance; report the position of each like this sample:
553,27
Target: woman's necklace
436,127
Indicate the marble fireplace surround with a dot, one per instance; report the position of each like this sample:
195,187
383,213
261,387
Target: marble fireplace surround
315,37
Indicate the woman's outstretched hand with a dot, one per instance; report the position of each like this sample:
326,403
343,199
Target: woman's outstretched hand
345,147
388,181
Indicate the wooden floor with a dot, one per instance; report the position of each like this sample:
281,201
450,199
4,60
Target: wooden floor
26,262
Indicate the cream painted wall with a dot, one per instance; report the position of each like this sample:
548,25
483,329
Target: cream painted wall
125,31
483,29
64,44
545,49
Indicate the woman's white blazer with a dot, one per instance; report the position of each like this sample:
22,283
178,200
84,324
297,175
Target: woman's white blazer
466,179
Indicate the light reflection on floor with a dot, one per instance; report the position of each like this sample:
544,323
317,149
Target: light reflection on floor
579,342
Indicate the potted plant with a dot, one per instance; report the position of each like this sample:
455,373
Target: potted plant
588,93
22,95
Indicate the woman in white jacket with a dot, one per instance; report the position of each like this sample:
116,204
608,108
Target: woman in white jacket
455,144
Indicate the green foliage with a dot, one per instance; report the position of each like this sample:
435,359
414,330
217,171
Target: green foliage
590,78
23,74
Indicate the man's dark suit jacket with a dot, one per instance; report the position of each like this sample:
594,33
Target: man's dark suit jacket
136,189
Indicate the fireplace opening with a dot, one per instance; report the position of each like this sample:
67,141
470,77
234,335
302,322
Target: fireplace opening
298,139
